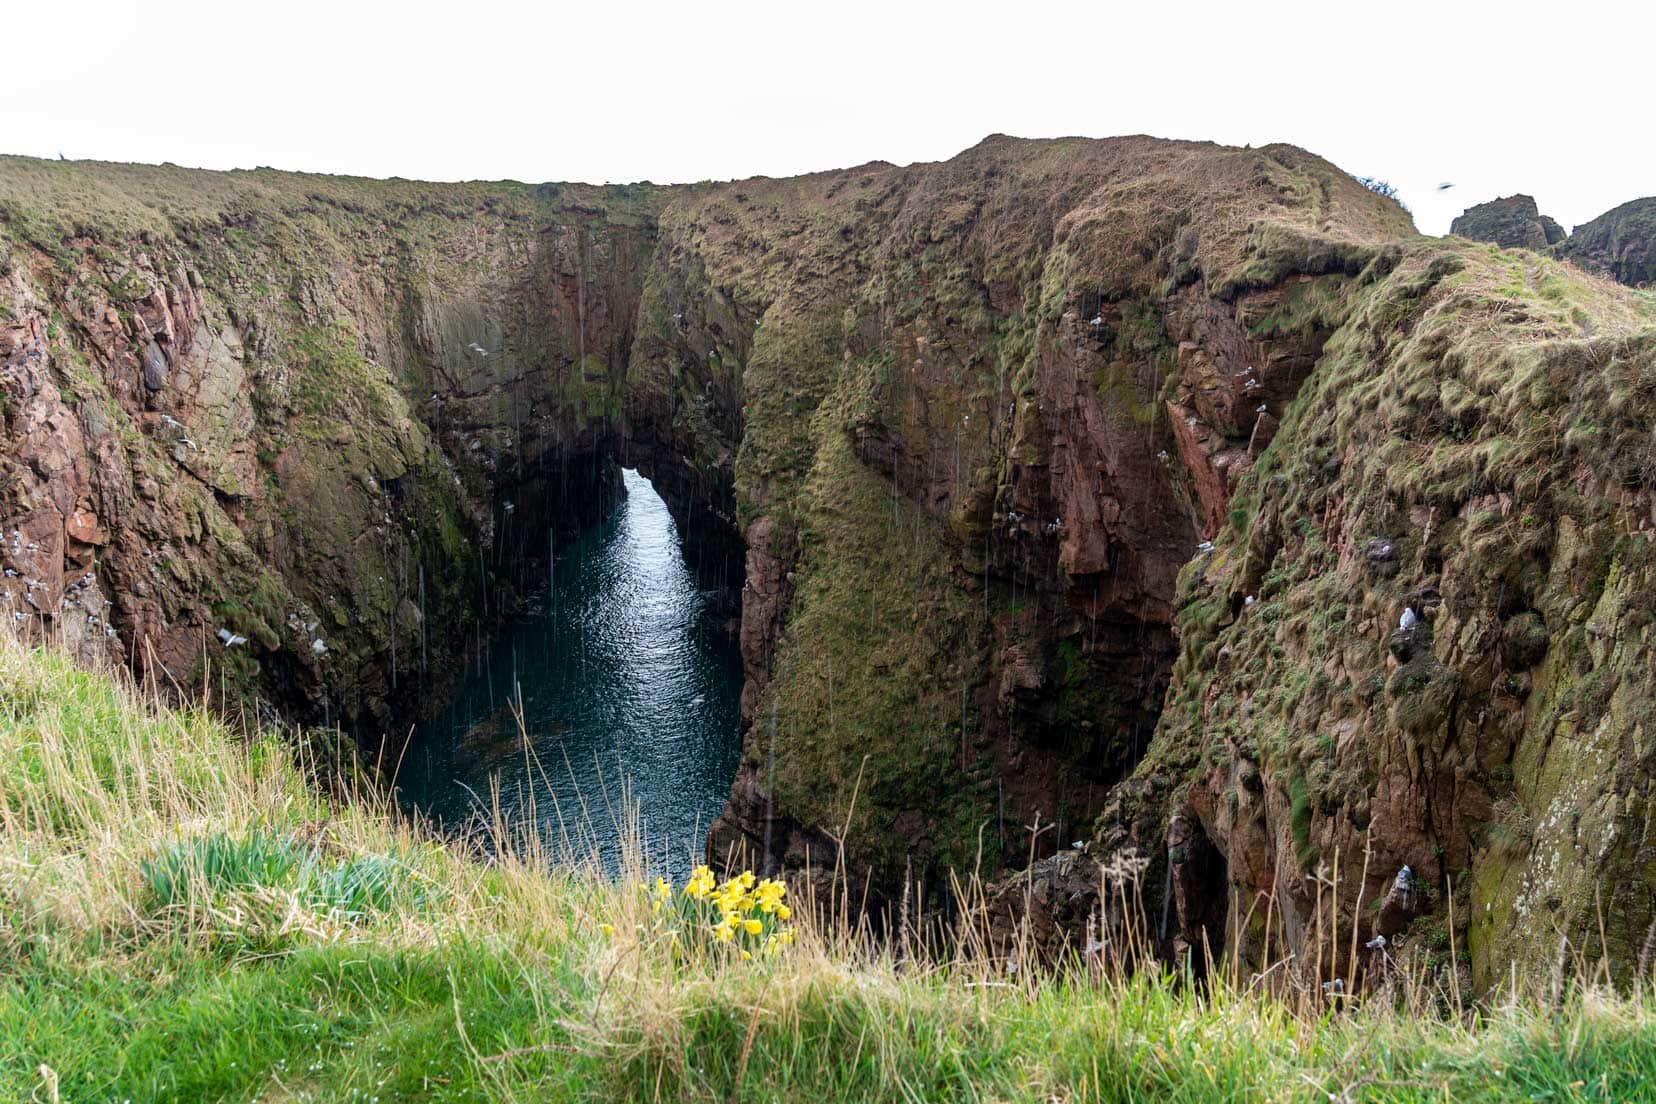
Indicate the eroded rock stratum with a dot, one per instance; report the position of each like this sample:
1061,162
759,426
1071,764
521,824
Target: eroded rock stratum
1068,491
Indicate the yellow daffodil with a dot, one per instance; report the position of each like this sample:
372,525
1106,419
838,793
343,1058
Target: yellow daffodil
701,883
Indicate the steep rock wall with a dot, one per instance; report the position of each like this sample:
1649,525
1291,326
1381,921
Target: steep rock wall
1620,243
303,411
942,434
1419,640
963,496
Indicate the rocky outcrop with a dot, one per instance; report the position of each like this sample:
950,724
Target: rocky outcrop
1617,244
963,495
1620,244
1511,223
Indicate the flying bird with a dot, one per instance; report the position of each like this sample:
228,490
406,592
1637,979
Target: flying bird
1445,186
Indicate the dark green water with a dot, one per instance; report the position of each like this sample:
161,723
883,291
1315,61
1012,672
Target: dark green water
628,686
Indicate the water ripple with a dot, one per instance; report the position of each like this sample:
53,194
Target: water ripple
625,682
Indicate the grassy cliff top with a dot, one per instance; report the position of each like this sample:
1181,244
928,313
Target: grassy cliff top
182,918
50,200
1122,207
1130,186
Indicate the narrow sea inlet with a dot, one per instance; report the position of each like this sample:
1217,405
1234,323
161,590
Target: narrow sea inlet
629,692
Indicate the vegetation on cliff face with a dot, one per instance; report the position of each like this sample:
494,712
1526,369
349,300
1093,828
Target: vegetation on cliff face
298,409
962,526
182,917
1420,638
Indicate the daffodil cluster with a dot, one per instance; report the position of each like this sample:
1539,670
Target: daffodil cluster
749,910
745,912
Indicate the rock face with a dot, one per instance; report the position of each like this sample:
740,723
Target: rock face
1067,492
1511,223
308,411
1418,640
961,472
1620,243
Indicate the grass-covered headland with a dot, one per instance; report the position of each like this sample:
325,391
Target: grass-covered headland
183,917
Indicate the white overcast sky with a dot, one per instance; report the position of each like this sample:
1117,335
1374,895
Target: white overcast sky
1553,100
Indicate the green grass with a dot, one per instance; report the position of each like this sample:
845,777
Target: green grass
219,863
208,868
182,919
321,1022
